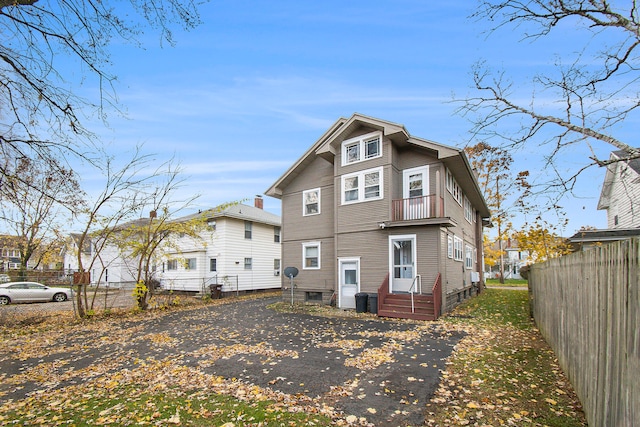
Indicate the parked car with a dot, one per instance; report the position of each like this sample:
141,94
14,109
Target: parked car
4,278
31,292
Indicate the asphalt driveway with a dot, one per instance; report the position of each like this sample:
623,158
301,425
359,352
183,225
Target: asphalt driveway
384,371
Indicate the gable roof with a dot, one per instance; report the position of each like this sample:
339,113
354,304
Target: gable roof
612,168
329,143
238,211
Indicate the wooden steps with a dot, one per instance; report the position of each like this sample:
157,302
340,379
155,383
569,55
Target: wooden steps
399,306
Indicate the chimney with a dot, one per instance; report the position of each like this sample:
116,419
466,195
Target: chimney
259,203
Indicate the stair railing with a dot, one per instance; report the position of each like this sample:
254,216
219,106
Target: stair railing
437,295
416,281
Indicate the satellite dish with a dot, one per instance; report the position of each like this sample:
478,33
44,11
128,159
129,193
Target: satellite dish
291,272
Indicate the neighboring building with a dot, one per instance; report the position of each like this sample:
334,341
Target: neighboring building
242,253
620,195
370,208
587,239
9,253
240,250
514,260
108,269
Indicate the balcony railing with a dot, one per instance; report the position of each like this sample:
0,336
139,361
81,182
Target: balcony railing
414,208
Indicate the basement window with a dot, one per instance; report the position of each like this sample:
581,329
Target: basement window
313,296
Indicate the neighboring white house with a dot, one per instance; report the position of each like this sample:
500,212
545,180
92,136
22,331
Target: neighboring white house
108,269
514,259
620,195
240,251
620,198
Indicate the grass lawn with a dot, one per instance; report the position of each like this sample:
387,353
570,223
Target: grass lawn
503,372
508,283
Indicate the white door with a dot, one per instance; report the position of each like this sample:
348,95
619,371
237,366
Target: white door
402,255
349,282
415,193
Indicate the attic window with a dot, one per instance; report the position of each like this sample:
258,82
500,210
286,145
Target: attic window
364,147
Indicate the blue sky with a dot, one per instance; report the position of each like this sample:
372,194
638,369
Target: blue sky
242,96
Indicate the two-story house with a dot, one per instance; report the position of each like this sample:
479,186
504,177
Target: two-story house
371,209
620,195
242,252
239,249
620,198
9,253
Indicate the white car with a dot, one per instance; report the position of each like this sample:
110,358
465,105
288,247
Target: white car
31,292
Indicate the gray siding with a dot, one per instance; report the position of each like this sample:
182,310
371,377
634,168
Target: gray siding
296,226
372,249
311,280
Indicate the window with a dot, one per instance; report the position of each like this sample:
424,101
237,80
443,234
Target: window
457,248
248,225
276,267
276,234
248,263
213,264
172,264
450,246
311,255
362,186
468,256
468,210
211,225
364,147
311,202
313,296
190,264
454,188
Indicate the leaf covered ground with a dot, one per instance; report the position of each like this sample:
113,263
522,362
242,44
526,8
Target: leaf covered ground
210,364
502,372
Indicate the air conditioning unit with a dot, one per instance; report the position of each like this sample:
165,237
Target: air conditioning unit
276,272
475,276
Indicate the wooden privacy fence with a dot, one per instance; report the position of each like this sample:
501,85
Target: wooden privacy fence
587,306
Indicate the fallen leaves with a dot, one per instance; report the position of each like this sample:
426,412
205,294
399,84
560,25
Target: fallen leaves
502,373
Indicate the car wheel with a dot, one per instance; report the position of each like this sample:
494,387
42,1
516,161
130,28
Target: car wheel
4,300
59,297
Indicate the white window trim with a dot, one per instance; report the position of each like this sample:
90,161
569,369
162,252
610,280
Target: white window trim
449,246
468,257
454,188
361,186
361,141
468,210
304,198
458,253
304,255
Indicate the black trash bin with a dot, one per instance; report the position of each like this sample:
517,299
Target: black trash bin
373,303
361,302
216,291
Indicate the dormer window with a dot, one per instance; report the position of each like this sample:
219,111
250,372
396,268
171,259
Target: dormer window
362,148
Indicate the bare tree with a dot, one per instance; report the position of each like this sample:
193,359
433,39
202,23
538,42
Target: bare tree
595,90
31,205
40,116
121,199
139,241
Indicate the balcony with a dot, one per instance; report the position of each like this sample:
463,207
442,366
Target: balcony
419,211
